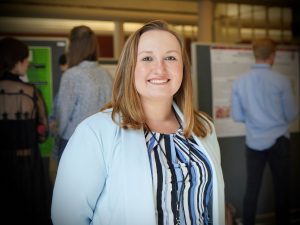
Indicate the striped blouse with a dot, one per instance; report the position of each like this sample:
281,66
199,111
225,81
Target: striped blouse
182,179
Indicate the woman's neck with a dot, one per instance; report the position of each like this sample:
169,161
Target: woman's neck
160,117
15,72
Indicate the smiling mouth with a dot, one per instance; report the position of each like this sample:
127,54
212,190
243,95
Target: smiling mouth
159,81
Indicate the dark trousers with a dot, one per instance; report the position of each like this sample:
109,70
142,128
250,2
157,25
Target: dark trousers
278,158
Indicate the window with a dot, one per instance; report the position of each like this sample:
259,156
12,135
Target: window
235,23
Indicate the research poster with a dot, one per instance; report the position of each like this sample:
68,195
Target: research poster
227,65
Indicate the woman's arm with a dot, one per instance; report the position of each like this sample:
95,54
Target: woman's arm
237,112
66,100
80,179
42,118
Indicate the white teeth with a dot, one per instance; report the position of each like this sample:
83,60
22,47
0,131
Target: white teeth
158,81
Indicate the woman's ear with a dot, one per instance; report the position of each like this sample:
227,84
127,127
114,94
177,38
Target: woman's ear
272,58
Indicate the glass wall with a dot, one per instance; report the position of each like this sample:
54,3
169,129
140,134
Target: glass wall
238,23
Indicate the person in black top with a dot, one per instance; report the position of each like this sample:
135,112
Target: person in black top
25,185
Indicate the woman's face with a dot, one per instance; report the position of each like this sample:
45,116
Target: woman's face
159,68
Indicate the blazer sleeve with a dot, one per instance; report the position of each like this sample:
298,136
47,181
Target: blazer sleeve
80,178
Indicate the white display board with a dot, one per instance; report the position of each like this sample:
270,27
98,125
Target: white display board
227,64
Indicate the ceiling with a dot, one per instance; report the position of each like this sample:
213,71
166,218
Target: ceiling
175,11
58,16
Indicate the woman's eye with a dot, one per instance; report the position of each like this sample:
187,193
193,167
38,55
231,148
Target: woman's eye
170,58
148,58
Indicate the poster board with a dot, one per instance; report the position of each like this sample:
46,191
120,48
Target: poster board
224,64
40,74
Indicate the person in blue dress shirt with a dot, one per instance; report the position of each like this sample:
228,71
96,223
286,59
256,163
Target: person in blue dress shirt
263,100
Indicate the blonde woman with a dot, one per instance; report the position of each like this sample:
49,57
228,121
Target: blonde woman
149,157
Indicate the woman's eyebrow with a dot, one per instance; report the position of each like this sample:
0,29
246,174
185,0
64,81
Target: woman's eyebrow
144,52
170,51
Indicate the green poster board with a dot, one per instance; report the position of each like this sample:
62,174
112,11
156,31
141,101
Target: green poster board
40,74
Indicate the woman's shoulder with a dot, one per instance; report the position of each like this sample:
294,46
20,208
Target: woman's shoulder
103,116
18,87
103,71
28,88
79,68
100,121
86,70
98,128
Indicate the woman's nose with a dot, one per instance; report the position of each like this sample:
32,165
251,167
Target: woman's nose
160,67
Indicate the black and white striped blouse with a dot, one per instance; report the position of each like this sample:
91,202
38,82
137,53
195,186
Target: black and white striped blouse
182,178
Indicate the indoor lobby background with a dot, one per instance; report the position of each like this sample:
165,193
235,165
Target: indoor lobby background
235,22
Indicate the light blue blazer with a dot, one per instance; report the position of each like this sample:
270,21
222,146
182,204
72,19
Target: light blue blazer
104,176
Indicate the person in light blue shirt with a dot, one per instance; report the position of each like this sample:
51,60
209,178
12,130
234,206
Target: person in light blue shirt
262,99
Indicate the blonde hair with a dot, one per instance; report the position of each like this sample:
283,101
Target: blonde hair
83,45
126,100
263,48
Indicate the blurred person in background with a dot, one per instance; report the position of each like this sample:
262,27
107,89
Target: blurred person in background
85,86
263,100
63,66
63,63
25,183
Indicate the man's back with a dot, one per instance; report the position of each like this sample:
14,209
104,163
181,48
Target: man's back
263,100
